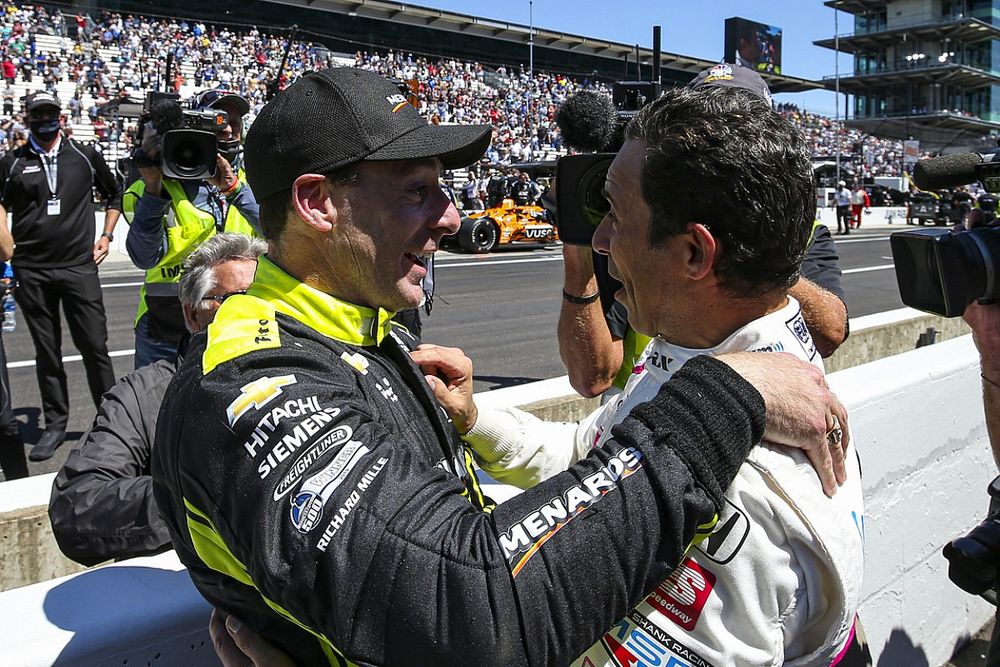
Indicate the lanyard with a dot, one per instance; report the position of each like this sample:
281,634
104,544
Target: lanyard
51,172
51,175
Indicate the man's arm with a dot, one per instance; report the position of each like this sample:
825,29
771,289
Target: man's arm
6,239
110,189
102,503
821,295
411,572
518,448
591,354
985,324
146,242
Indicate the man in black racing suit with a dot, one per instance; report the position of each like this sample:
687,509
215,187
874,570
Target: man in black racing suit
314,487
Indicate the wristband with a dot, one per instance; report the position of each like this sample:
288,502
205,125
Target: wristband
581,300
108,235
231,190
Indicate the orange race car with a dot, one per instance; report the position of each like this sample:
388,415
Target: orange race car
507,224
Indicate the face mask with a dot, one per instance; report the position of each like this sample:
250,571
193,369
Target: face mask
44,130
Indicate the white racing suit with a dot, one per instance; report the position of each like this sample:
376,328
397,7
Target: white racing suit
779,579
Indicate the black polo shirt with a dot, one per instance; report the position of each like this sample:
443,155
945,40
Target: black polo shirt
66,239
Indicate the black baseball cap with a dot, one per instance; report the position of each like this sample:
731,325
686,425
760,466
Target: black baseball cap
725,75
335,117
215,98
41,99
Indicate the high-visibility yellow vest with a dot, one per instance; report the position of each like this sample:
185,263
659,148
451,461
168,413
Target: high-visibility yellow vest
187,227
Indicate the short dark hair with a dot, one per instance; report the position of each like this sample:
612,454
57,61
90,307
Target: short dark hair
723,157
274,209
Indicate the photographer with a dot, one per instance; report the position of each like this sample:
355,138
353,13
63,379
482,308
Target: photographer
172,217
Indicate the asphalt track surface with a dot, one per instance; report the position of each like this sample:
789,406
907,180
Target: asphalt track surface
500,308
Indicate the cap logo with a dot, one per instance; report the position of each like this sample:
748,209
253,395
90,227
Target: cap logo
720,72
398,100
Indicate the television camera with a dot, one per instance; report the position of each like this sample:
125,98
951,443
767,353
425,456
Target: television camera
189,138
942,271
595,125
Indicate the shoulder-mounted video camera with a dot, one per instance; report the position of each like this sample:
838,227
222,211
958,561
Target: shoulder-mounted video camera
189,138
943,270
595,125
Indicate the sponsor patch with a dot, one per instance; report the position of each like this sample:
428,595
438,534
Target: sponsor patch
333,438
352,501
356,361
398,101
266,425
299,436
798,327
684,594
256,395
523,540
729,534
31,169
308,503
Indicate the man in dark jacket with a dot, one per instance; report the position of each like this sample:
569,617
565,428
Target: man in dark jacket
102,503
47,187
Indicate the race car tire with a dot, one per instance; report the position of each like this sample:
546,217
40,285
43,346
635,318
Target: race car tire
478,235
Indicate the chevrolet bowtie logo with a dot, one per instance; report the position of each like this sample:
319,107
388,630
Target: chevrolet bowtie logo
256,395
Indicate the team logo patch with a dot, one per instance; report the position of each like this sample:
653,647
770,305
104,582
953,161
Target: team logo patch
727,537
334,438
308,503
798,327
720,72
256,395
398,101
356,361
684,594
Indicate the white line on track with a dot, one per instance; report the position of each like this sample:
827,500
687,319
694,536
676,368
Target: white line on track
110,285
865,269
72,357
865,239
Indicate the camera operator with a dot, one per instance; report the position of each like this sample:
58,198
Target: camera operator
984,320
596,343
172,217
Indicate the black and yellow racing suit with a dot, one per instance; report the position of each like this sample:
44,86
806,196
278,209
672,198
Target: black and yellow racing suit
313,486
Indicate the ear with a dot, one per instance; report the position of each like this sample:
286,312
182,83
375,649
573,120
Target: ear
703,251
311,198
189,317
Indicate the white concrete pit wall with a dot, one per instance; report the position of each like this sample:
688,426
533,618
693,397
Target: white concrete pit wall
917,422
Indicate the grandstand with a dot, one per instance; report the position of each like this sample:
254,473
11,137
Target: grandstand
102,57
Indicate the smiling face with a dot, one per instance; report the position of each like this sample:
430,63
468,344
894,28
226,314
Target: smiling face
650,276
387,222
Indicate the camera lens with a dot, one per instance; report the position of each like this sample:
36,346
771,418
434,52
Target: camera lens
190,156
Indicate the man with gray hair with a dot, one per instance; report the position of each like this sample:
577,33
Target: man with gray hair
102,503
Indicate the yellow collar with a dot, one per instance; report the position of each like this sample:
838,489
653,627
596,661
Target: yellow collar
319,311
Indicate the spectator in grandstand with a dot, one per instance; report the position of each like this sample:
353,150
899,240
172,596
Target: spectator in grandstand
171,218
102,504
379,481
48,189
842,199
706,277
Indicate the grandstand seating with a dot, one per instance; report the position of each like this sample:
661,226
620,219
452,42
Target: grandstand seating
130,51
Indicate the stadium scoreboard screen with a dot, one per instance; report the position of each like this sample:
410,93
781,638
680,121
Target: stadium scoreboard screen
753,45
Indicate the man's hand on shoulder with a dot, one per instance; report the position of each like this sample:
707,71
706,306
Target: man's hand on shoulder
801,409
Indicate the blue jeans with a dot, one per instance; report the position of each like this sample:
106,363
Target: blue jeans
148,349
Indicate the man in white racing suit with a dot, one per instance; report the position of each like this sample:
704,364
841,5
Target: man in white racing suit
779,579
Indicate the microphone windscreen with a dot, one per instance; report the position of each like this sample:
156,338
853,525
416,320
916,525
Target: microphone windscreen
166,115
947,171
587,121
